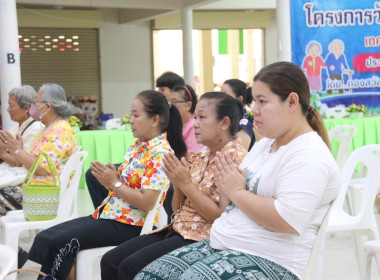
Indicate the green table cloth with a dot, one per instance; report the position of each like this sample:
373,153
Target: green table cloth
110,145
104,146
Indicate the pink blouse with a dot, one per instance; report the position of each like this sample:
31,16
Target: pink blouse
189,136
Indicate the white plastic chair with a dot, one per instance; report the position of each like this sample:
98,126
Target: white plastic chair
362,223
371,249
15,223
114,123
344,134
86,259
316,256
8,260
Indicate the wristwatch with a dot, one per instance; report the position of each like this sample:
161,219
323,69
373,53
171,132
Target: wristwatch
116,186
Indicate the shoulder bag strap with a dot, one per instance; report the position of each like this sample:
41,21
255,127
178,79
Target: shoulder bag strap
27,127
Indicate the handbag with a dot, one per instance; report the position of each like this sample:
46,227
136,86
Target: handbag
40,202
44,275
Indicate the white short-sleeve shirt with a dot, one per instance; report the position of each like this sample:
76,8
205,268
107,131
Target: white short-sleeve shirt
304,179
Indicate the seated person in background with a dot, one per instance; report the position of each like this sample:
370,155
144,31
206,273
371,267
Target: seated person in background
196,199
238,89
21,100
167,81
57,139
133,189
185,99
279,195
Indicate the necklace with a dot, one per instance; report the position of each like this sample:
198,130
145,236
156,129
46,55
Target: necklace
50,125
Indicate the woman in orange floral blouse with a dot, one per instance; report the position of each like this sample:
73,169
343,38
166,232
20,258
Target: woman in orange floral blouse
133,189
196,200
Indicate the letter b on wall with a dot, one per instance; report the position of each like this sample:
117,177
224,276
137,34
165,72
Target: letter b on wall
11,58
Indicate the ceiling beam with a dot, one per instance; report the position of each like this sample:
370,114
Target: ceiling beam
239,5
128,4
194,4
136,15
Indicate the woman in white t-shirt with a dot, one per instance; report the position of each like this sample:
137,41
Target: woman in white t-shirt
278,196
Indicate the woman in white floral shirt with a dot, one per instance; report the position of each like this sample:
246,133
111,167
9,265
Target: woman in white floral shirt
133,189
196,200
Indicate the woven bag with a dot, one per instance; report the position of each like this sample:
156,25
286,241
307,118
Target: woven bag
40,202
44,275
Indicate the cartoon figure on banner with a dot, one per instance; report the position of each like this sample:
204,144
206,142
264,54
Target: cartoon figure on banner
336,66
313,63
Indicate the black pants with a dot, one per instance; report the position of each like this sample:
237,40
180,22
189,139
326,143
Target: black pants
127,259
337,77
168,203
97,192
55,248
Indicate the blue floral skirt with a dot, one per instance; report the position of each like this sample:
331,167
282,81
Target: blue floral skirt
199,261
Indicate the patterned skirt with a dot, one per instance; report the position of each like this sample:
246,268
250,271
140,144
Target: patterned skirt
10,199
199,261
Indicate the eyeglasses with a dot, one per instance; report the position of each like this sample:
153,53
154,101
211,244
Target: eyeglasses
177,101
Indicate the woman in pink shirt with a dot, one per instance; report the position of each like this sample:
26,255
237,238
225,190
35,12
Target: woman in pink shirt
185,99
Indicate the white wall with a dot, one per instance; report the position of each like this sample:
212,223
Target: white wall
271,41
125,62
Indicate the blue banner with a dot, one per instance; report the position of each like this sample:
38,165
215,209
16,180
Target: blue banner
337,44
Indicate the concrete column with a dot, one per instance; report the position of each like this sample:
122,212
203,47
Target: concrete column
233,53
248,55
10,75
283,30
187,28
206,63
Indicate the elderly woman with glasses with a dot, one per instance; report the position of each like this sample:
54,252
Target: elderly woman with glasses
57,139
21,100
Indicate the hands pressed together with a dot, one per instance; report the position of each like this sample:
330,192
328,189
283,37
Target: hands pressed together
178,171
106,174
229,178
10,143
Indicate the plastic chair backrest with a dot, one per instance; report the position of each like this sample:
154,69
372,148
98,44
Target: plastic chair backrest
7,260
69,185
344,134
316,257
114,123
369,156
149,220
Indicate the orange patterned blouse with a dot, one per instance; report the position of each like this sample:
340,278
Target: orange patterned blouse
187,221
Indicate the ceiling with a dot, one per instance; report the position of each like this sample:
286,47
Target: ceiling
142,10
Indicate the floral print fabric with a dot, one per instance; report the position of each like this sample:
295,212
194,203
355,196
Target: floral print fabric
142,169
187,221
59,142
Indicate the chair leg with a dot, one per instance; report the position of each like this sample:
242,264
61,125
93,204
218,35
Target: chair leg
11,240
367,271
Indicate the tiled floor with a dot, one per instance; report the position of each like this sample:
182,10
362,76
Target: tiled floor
339,256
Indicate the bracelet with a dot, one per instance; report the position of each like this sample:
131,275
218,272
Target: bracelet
17,151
